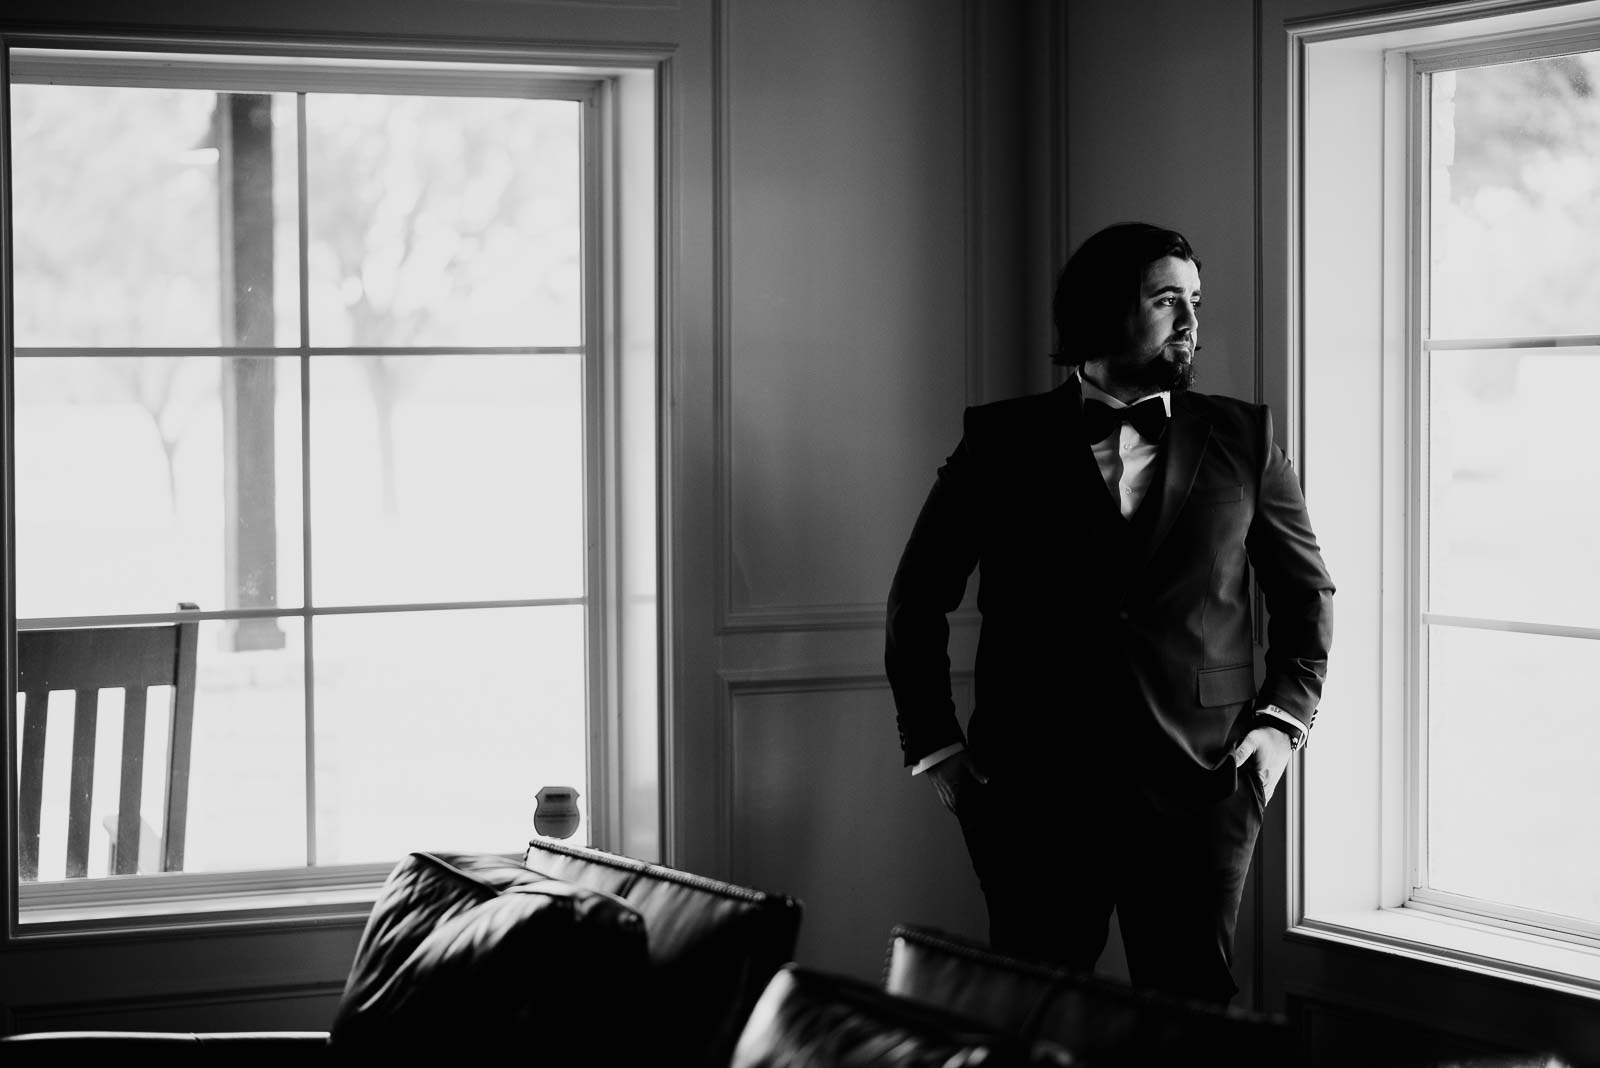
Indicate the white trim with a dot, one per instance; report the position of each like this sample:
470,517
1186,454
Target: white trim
1414,141
599,477
135,618
267,74
1467,344
1511,626
1535,922
1578,36
36,352
307,536
1436,938
1419,28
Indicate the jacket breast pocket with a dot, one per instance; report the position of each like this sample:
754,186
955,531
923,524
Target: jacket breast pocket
1225,685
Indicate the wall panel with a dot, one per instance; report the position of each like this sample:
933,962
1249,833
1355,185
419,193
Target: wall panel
821,808
846,272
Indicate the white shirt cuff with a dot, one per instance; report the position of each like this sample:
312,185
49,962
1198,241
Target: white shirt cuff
937,755
1297,730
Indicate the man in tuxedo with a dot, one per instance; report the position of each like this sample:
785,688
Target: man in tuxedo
1120,753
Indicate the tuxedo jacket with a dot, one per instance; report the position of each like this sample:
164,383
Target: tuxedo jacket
1099,631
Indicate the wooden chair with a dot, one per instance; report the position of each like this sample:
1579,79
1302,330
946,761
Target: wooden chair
87,660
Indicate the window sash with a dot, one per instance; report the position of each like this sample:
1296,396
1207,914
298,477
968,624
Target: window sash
1422,65
415,72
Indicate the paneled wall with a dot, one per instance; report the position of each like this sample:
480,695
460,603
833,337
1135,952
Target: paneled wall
868,169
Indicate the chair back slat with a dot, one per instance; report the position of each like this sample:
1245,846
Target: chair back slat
30,790
125,851
180,735
85,721
87,660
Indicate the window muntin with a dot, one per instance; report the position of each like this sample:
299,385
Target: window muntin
1507,580
488,463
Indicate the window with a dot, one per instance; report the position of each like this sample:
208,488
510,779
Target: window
1444,316
332,348
1510,532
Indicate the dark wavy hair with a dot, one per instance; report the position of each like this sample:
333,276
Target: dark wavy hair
1100,284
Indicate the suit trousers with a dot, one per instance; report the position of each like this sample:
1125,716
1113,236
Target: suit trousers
1054,860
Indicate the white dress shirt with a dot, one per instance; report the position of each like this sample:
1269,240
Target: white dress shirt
1126,457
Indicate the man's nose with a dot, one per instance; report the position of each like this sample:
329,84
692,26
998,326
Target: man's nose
1188,318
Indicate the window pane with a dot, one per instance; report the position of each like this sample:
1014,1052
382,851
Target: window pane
138,487
444,221
247,793
246,804
1515,169
1513,801
1513,481
436,729
446,478
123,197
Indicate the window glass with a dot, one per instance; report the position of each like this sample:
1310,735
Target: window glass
436,729
444,221
119,222
1513,478
146,480
1515,158
1512,793
446,478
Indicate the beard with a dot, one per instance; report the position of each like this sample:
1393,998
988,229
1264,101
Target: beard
1165,372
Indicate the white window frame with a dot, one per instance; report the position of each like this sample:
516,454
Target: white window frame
623,187
1357,212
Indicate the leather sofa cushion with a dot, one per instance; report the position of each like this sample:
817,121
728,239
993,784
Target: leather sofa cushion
713,945
1097,1019
811,1019
462,950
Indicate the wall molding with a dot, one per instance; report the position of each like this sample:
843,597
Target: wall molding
734,618
744,682
671,5
59,1015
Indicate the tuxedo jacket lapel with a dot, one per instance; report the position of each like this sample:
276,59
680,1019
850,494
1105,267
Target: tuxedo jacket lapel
1187,435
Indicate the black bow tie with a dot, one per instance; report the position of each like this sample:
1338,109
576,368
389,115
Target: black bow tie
1148,417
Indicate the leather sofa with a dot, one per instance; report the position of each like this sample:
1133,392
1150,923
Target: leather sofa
948,1001
812,1019
575,956
1097,1019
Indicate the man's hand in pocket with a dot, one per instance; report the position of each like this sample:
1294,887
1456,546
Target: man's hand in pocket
953,775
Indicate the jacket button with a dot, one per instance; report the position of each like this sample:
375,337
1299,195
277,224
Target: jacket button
1122,614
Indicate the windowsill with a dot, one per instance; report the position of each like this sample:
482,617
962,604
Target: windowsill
1458,942
306,907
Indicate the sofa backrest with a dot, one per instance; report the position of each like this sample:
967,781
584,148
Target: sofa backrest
812,1019
1097,1019
474,949
712,945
